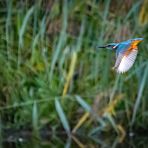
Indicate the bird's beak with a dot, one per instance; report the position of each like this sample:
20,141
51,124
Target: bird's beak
101,46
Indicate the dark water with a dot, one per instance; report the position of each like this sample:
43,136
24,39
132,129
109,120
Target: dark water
63,141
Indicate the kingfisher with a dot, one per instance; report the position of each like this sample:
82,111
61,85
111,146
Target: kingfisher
126,53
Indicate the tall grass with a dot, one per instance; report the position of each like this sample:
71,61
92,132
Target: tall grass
47,51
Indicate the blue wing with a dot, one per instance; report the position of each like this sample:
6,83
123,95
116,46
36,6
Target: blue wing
122,47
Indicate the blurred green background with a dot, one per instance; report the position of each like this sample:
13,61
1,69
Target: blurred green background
51,74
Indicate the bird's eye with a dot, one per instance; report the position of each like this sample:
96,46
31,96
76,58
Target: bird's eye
111,46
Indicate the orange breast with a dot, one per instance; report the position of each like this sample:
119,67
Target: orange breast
131,48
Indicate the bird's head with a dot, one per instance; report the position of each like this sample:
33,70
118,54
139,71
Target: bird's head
109,46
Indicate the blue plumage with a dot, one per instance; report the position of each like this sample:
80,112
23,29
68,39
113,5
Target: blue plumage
126,53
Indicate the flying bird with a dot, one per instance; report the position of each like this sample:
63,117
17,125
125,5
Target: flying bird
126,53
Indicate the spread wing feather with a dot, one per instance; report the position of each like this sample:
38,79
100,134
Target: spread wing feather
125,62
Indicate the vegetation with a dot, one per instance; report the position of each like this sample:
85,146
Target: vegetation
52,75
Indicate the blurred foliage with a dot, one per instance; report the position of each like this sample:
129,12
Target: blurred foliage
143,16
47,52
